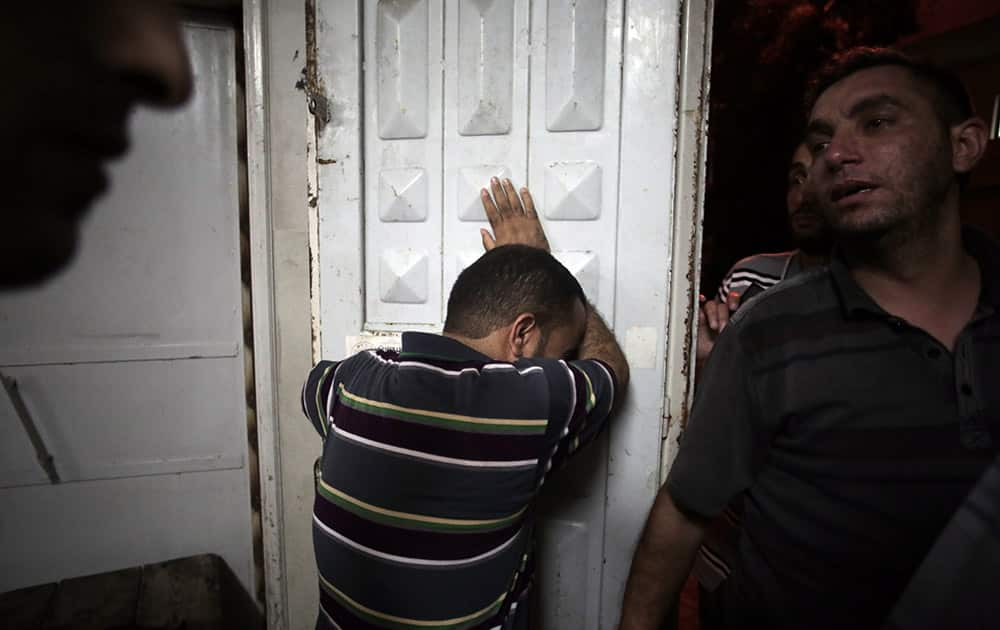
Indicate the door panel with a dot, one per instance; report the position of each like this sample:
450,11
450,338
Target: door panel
532,90
486,121
574,64
576,80
427,157
573,153
403,151
571,542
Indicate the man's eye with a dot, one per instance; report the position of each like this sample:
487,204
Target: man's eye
877,123
818,147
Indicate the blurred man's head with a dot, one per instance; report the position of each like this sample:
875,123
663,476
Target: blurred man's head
73,71
517,301
892,140
808,226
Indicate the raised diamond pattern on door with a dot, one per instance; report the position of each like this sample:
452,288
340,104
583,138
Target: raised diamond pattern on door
485,66
584,267
403,276
402,195
470,181
573,191
574,145
402,66
574,94
402,148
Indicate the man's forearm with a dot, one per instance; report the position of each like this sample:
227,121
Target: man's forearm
599,343
661,564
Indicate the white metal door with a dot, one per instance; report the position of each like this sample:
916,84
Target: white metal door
131,362
576,99
470,122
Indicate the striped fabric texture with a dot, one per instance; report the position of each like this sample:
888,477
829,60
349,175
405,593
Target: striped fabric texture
432,458
761,270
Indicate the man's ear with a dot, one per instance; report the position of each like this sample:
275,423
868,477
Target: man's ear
522,334
968,144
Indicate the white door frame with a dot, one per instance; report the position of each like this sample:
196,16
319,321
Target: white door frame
262,284
689,207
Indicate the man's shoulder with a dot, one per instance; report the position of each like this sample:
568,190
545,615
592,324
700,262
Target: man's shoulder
772,262
362,366
802,294
420,366
560,374
370,355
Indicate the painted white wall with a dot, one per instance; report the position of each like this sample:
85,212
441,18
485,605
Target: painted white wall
131,361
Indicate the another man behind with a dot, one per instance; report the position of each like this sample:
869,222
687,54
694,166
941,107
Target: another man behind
433,455
809,231
856,405
759,272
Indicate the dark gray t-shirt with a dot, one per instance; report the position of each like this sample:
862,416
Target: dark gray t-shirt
854,435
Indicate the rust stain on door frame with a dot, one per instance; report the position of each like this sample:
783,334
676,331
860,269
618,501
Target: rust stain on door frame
311,83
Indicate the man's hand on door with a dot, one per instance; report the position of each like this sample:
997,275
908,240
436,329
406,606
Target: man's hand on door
512,217
713,316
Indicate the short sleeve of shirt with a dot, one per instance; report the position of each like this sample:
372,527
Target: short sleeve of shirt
731,284
725,442
316,395
723,291
584,396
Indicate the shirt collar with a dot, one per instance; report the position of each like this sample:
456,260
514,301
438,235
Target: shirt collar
853,299
987,253
439,347
981,247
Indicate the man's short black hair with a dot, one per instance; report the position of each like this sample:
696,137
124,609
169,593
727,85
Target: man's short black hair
950,98
505,282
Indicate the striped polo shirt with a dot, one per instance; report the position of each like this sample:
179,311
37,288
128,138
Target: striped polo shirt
432,458
760,270
853,435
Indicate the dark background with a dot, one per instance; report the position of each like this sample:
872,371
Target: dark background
763,53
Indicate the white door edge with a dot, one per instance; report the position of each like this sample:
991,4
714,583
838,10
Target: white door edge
692,150
262,281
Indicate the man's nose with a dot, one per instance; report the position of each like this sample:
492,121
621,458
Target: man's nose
142,43
842,150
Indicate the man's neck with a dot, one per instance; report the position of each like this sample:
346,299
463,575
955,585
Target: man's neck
925,277
921,263
486,345
808,261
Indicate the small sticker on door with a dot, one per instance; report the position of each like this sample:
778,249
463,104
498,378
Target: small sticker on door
640,347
